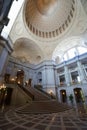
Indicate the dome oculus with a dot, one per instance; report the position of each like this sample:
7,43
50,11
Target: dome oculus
46,7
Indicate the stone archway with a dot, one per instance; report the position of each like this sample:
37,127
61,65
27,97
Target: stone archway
20,77
78,95
63,95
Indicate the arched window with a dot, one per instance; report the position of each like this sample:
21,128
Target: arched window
71,53
82,50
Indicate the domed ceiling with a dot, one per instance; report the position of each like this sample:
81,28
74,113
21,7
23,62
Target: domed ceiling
49,18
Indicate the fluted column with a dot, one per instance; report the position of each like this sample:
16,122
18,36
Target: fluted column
56,78
3,60
5,51
67,75
81,72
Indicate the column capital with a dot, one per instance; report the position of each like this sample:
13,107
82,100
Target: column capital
6,44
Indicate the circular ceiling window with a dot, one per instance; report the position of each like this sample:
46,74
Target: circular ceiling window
46,7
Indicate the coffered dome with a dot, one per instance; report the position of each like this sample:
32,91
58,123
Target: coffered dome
49,18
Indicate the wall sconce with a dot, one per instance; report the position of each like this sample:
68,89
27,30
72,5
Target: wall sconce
26,81
50,92
3,93
18,82
63,93
75,92
2,87
12,79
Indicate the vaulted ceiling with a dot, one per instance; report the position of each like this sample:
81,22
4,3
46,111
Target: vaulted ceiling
43,26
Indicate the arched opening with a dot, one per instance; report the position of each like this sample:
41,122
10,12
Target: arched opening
76,49
8,96
39,78
7,78
74,52
57,60
63,96
30,82
39,81
20,77
78,95
80,100
5,96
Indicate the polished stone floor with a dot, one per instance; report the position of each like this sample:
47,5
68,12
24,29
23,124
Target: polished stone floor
68,120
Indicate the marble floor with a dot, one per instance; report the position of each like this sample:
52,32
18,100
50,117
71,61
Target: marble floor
67,120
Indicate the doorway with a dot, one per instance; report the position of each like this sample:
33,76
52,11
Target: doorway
8,96
7,78
30,82
78,95
63,96
5,96
20,77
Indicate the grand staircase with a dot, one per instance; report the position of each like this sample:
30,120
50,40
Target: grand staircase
39,103
43,107
37,95
42,103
